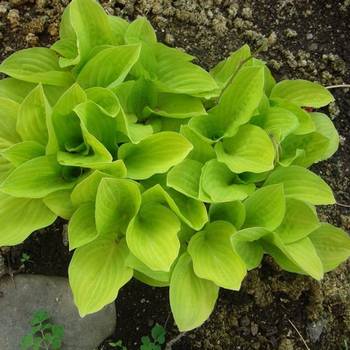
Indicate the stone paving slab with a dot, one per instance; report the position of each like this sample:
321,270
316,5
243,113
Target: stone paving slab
29,293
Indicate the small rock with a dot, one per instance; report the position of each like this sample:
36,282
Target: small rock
254,329
290,33
13,17
17,2
32,39
41,3
309,36
53,29
3,8
245,321
31,293
286,344
169,39
247,12
314,330
313,47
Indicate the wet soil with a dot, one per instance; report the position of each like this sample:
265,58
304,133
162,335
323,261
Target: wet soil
274,309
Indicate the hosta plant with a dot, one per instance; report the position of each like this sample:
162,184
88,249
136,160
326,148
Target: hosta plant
167,173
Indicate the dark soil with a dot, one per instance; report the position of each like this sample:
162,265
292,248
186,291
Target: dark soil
311,42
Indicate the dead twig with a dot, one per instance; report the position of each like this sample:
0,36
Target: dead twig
172,342
343,205
345,86
301,337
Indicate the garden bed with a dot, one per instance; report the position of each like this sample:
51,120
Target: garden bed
273,307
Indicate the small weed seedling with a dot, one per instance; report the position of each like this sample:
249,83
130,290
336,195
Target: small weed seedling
118,345
25,258
43,335
158,339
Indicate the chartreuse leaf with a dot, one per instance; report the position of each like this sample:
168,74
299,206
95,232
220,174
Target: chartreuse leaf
224,70
281,259
191,211
116,168
313,147
126,124
325,127
166,53
152,236
96,125
192,299
162,278
21,152
207,127
269,80
278,122
214,258
15,90
300,219
302,184
159,123
239,100
301,253
82,226
98,141
219,183
86,189
65,121
187,78
19,217
88,27
250,149
67,45
8,118
5,168
96,273
303,93
176,106
154,154
118,27
232,212
105,99
185,177
36,65
149,280
117,202
332,245
36,178
265,207
140,30
60,203
32,116
109,67
135,95
202,150
306,124
246,244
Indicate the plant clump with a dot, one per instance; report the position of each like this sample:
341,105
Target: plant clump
167,173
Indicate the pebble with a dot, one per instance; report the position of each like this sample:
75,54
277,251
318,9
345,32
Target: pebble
254,329
13,17
290,33
3,8
313,47
315,329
